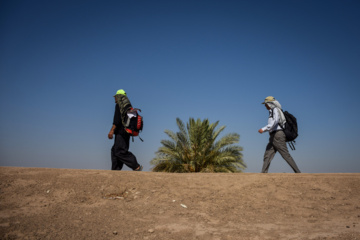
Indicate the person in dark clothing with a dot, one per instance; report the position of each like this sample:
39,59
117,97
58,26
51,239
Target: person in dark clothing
120,153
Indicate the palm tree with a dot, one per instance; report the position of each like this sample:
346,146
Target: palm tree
195,149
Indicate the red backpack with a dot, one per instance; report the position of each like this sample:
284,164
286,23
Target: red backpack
134,123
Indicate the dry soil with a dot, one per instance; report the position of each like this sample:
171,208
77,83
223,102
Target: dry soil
41,203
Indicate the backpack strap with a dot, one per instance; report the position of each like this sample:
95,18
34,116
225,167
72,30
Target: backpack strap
291,145
133,110
138,136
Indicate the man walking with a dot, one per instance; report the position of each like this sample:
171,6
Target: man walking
277,140
120,154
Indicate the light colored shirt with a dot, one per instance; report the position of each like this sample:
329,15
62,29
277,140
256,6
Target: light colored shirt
273,121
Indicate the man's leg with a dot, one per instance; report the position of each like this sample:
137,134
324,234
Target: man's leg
280,145
268,155
115,163
121,151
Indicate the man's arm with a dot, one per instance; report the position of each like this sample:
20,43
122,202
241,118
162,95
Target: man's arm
116,121
111,133
272,121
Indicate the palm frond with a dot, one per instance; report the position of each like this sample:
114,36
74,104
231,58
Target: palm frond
195,149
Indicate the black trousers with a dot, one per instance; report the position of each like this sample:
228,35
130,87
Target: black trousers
120,154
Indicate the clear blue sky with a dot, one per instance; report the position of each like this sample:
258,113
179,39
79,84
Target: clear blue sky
62,61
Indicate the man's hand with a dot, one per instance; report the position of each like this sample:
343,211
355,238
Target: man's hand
111,134
260,130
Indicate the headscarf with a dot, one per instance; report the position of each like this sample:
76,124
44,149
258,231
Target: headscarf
275,104
124,105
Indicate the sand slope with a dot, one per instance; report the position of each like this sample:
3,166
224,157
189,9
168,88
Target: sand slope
40,203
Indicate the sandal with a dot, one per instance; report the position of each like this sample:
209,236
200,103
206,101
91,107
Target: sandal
140,168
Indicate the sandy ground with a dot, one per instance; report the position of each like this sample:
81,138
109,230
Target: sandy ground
41,203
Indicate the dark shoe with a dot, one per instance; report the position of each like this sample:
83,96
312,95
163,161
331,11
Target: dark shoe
139,169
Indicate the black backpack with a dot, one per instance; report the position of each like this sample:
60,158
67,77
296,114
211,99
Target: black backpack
290,129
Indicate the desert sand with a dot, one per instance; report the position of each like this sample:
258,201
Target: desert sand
43,203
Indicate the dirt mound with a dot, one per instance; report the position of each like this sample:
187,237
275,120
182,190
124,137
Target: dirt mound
40,203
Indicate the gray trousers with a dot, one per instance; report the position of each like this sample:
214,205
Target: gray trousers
277,142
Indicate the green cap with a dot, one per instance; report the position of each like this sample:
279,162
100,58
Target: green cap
120,91
269,99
